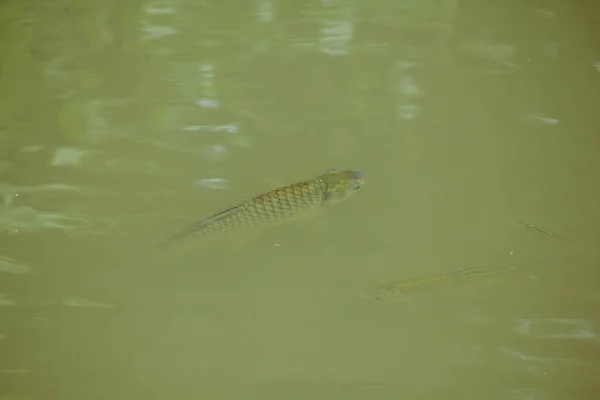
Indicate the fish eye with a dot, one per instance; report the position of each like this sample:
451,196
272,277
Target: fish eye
355,185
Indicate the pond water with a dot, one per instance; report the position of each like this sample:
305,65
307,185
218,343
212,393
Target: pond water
124,122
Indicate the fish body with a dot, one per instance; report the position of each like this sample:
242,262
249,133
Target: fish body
275,206
544,231
404,290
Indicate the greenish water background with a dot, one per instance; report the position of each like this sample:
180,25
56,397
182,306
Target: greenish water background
122,122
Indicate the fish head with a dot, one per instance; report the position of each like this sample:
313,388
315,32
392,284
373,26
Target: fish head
341,184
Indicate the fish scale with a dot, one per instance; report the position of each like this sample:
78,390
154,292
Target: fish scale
277,205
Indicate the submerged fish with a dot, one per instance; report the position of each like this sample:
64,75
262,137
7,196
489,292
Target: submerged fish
545,232
277,205
403,290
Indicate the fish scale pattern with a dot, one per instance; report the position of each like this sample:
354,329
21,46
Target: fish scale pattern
276,205
285,202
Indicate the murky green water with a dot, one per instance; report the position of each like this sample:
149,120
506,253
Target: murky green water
122,122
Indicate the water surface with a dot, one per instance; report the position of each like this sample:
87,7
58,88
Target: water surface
122,122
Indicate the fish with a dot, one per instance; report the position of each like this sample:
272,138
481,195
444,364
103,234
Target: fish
275,206
404,290
545,232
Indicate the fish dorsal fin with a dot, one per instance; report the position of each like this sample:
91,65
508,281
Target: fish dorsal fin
200,225
219,216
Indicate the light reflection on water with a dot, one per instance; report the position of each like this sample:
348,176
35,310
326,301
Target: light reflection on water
121,121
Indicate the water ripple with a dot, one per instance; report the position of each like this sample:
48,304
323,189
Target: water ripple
10,266
556,328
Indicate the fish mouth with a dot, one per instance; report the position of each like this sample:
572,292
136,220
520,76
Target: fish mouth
357,178
348,180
